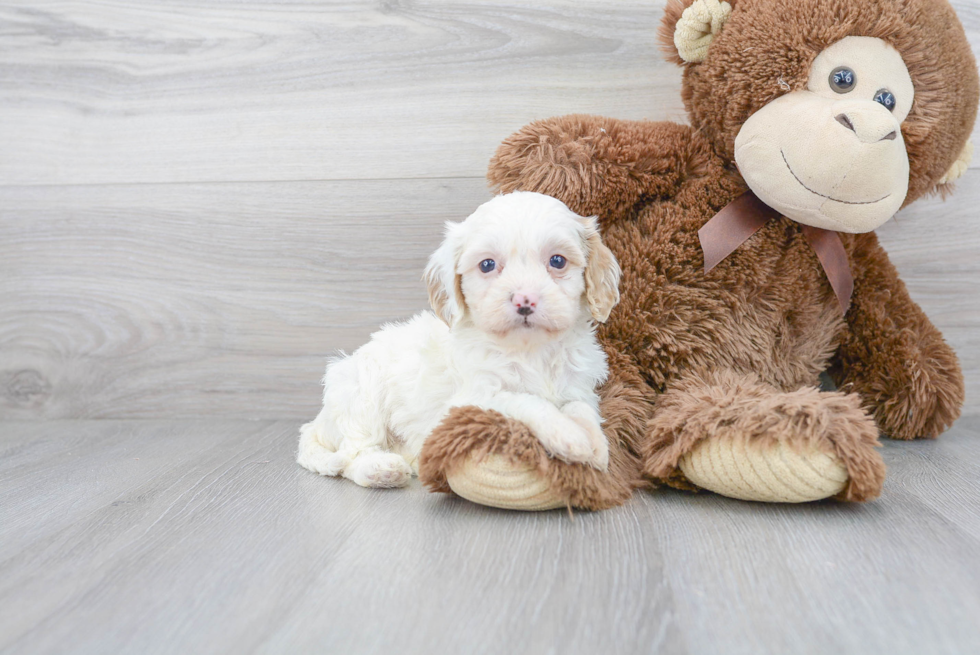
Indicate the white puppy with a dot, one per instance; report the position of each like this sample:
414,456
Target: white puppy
516,289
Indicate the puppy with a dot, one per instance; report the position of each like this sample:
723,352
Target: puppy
516,290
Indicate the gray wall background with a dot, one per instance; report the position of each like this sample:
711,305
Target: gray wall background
201,200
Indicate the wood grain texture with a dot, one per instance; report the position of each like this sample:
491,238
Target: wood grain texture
183,300
225,299
123,91
205,536
126,91
168,244
201,200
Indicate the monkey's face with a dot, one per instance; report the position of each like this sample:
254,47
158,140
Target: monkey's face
813,99
832,155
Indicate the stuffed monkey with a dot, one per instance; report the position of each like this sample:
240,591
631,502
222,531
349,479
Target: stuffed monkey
749,259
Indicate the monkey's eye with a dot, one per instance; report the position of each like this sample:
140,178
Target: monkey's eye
842,79
557,261
487,265
886,99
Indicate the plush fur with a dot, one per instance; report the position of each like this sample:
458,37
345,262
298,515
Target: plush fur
736,352
518,288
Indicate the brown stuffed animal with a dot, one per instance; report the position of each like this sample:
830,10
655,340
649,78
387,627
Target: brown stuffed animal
832,115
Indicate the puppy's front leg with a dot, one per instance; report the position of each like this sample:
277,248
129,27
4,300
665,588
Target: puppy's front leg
560,434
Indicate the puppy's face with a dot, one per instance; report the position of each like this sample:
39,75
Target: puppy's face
523,265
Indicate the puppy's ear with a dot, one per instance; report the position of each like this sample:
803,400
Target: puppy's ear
444,283
601,273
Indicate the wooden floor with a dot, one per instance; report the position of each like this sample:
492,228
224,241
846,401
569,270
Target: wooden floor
205,537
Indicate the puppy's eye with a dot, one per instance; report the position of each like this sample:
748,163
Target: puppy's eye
487,265
886,98
557,261
842,79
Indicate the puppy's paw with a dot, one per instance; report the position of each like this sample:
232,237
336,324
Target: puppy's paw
600,453
323,461
312,455
379,469
567,441
585,417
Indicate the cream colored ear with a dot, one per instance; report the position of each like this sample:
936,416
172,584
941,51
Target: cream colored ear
447,306
444,284
960,165
601,274
697,26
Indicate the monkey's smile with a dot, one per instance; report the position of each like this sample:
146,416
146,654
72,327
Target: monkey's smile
822,195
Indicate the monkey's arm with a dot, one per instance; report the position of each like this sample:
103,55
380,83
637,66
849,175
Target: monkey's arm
893,355
599,166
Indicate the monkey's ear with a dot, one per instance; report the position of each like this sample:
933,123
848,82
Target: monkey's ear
689,26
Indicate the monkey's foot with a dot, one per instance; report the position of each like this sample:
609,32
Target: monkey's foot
773,474
494,460
740,437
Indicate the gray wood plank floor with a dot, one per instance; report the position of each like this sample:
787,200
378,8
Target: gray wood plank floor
205,536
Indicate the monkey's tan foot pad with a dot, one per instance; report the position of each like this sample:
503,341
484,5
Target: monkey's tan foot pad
496,481
774,473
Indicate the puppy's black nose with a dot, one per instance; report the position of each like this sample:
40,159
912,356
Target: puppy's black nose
524,301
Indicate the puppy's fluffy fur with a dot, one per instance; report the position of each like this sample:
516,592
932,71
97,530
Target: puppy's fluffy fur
516,289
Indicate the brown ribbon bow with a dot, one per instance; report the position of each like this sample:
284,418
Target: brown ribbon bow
744,216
